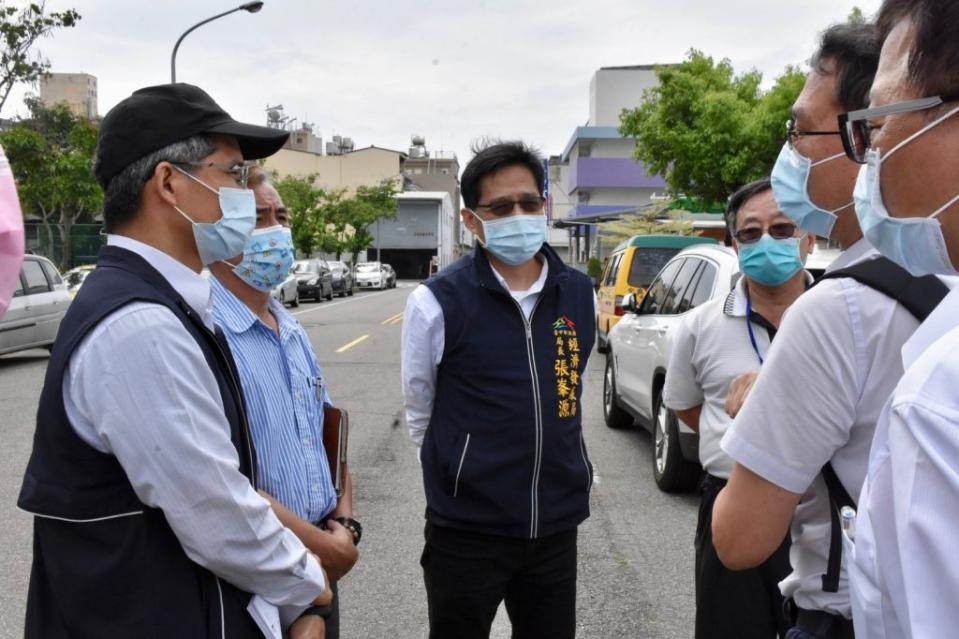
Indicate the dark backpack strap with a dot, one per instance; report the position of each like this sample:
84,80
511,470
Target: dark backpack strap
838,498
918,295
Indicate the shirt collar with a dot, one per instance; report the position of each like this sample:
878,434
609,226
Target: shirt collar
859,251
737,301
236,317
536,287
192,287
940,321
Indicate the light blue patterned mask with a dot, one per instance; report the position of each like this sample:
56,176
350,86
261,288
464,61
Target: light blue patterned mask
267,258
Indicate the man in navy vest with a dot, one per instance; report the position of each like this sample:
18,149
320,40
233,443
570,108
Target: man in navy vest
142,478
494,350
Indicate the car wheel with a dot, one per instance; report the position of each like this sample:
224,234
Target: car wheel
673,473
614,414
296,300
349,291
329,296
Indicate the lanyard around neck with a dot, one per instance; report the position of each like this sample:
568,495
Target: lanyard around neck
749,327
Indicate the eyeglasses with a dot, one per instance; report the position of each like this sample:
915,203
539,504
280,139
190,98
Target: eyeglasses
856,131
793,134
781,231
239,172
504,206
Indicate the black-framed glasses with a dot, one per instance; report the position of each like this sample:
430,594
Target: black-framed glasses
753,234
856,130
793,134
238,171
504,205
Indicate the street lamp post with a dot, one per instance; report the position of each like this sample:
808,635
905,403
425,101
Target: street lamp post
250,7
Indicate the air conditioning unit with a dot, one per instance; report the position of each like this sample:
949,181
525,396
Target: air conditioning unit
583,197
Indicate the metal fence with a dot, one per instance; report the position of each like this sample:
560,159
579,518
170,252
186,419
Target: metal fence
47,240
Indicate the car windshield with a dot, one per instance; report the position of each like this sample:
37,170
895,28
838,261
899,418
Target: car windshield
647,262
370,267
305,267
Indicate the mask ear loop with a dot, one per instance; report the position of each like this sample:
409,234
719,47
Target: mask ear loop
824,161
482,241
912,137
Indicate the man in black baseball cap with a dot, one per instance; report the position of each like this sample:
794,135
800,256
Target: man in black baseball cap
142,478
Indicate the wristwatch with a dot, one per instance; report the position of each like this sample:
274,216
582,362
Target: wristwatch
353,526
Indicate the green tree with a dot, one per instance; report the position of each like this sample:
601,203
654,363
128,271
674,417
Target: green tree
709,130
51,155
20,28
302,200
658,220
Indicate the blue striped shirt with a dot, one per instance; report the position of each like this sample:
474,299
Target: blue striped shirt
285,393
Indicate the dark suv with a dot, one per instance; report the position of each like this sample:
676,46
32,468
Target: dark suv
342,278
313,279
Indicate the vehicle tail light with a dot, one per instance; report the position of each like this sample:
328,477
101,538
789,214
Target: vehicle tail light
618,306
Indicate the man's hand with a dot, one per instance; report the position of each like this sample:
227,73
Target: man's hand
308,627
325,598
343,554
738,392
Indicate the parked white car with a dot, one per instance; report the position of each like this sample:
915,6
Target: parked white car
287,291
371,275
639,354
39,303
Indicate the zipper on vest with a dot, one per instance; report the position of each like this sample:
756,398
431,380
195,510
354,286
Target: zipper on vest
456,484
538,411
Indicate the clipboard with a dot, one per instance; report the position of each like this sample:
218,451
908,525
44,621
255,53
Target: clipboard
336,430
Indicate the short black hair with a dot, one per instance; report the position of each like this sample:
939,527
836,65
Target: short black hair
491,157
934,57
738,199
851,53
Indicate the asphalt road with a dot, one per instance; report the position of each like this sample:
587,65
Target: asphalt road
636,552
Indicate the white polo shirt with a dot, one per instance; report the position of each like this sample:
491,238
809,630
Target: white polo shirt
905,569
833,365
710,348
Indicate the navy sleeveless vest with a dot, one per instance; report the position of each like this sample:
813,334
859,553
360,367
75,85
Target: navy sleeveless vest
504,452
106,565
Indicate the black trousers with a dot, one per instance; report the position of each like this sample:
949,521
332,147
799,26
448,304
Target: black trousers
743,604
468,574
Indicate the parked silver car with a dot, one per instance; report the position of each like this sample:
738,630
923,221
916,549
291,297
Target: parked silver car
39,303
287,291
639,354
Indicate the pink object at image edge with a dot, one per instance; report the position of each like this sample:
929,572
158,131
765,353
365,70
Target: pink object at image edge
11,234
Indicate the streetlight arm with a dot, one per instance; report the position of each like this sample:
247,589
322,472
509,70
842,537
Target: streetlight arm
191,30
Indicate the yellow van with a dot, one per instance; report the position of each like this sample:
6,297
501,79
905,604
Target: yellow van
629,269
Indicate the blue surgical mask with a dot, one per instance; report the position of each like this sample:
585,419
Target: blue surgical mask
514,239
769,261
914,243
267,258
226,237
790,180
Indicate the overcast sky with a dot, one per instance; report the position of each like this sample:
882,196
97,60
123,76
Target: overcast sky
453,70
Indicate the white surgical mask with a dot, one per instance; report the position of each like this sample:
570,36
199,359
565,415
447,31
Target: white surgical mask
790,180
226,237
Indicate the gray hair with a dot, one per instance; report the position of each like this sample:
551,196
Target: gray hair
122,194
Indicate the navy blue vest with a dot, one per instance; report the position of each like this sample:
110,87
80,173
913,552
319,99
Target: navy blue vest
504,452
106,565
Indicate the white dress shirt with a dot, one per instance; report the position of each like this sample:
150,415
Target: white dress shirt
833,365
423,342
905,570
138,387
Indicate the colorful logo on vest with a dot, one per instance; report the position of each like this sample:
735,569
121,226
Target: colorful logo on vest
567,367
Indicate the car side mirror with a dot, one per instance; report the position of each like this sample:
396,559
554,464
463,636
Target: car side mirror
629,303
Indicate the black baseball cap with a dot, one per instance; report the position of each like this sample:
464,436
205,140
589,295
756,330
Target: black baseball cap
155,117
